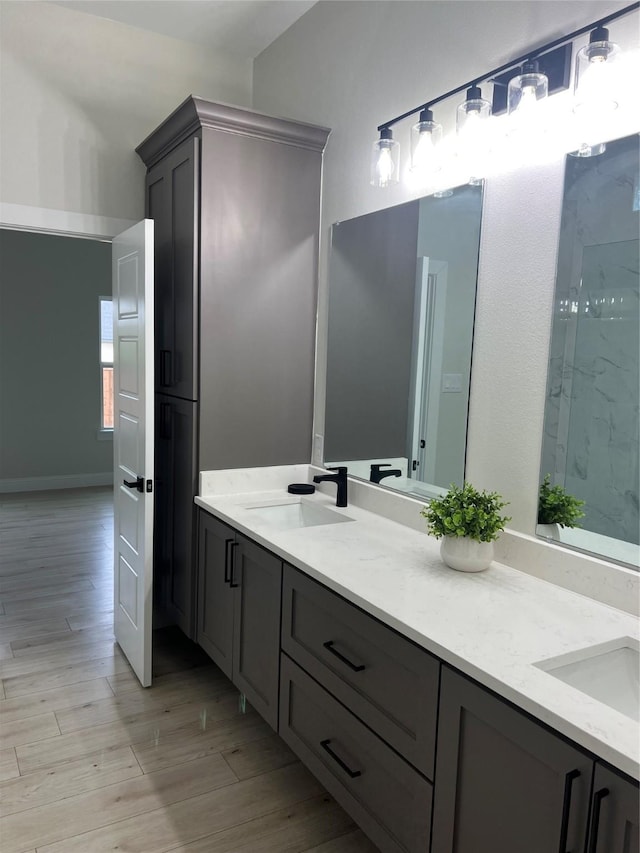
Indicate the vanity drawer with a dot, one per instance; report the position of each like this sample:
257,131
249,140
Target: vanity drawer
383,678
388,798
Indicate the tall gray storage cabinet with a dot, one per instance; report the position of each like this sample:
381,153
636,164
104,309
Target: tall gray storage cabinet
235,198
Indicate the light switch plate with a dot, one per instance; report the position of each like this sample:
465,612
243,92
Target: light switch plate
451,383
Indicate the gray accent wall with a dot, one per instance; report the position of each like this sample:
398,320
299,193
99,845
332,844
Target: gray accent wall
371,302
49,356
449,231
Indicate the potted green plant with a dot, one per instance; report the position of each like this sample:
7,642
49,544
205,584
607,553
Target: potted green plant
468,522
557,508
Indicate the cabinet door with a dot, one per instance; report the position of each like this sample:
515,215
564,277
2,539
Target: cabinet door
503,782
614,814
174,527
257,579
172,202
215,596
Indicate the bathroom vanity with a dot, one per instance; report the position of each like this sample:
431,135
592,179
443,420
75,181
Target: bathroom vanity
423,699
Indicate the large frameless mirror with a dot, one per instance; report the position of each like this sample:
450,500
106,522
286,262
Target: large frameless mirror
591,443
402,290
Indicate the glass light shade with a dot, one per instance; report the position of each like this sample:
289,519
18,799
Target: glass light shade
586,150
426,136
385,160
472,114
595,83
472,129
526,90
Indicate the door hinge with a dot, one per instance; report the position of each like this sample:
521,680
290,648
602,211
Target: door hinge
149,485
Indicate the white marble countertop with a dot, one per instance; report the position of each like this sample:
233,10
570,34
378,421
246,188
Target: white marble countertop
493,625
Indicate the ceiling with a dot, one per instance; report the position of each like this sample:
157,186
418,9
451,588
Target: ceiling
239,28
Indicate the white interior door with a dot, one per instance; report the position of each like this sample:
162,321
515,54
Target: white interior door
428,344
133,444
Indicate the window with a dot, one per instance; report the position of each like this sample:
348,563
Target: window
106,362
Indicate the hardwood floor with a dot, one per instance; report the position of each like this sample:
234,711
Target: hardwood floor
91,762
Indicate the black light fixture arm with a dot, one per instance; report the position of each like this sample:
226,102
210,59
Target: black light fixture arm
532,54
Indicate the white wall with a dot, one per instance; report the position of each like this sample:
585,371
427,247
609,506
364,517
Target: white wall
351,66
78,93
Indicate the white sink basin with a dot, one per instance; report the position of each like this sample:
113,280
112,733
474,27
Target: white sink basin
296,513
608,672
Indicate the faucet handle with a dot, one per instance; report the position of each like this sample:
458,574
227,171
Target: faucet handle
341,469
376,466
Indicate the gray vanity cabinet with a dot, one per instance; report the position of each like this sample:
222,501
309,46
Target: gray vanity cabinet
504,783
358,704
239,595
615,813
235,199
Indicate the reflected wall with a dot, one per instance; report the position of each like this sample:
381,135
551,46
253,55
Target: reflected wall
591,439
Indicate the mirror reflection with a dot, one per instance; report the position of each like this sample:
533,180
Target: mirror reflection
402,288
591,441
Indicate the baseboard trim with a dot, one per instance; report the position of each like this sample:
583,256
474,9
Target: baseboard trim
64,481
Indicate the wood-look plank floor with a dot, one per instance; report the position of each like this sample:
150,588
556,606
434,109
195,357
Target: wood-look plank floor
91,762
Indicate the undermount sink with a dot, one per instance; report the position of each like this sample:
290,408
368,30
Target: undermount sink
608,672
296,513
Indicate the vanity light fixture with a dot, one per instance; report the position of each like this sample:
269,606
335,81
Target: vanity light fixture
385,159
519,87
426,135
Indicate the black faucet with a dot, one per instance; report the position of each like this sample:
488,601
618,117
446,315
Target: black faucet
377,475
340,478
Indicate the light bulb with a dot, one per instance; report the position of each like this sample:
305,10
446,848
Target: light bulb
385,160
385,166
425,139
528,98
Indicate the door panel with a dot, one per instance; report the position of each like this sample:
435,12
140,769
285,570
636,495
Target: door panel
615,813
175,533
172,202
215,596
501,778
133,444
256,644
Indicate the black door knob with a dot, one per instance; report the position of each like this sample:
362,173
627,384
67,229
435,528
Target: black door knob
135,484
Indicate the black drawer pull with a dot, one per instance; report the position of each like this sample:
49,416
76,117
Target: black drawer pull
353,774
232,568
165,368
355,667
566,804
227,542
598,797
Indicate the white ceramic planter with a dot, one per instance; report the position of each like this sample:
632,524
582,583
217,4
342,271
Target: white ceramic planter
466,555
548,531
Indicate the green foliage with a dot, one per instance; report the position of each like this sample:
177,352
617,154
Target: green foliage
466,512
555,506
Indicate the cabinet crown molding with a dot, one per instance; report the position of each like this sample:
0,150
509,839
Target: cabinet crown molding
195,113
